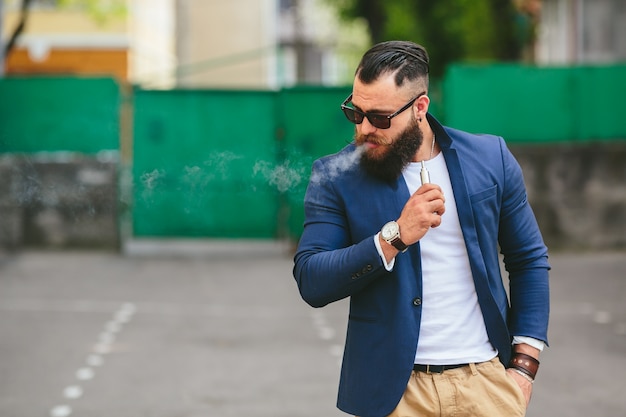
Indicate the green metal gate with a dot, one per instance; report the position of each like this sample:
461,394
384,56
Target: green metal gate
200,164
229,164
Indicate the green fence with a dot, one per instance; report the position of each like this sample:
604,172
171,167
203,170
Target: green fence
229,163
531,104
59,114
312,125
235,164
199,163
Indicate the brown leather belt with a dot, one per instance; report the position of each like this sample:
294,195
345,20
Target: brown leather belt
436,369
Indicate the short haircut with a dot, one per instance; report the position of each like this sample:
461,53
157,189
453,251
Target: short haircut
408,60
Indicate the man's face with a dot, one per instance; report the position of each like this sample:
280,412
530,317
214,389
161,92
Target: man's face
386,151
387,161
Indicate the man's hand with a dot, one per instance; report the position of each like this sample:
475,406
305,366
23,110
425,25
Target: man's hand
421,212
525,385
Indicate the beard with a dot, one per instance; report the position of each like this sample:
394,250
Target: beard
398,155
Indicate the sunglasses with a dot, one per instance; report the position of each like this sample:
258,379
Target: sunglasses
380,121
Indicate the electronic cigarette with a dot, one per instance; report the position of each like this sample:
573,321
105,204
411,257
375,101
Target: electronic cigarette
424,176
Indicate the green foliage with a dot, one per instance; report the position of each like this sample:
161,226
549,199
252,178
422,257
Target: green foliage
400,22
451,30
99,10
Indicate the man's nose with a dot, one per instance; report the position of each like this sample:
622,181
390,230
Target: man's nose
366,127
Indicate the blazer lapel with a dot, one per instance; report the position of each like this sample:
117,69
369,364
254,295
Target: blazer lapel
496,326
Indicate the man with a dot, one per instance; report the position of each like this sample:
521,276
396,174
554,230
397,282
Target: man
411,233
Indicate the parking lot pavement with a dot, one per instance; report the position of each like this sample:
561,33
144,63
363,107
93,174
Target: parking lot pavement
582,373
165,332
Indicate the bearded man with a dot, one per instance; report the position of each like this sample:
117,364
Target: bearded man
412,235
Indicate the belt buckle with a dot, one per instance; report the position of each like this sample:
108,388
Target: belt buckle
429,372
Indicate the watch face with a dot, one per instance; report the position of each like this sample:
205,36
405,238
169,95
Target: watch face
390,230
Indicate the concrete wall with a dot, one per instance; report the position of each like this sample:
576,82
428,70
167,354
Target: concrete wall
58,202
578,193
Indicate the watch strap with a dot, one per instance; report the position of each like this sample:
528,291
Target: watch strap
399,244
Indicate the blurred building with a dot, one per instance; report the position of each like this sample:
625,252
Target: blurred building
64,41
263,44
581,31
184,43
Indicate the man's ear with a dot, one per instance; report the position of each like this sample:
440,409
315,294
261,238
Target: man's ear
420,107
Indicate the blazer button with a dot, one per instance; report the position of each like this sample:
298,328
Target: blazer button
417,302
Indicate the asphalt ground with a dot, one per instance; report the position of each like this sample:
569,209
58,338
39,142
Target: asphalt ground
192,330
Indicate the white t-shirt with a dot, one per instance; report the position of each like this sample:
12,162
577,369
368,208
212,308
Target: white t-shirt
452,328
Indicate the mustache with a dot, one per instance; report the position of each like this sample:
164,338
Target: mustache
377,140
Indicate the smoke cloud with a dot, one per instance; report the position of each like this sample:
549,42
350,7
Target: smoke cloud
339,164
283,177
223,167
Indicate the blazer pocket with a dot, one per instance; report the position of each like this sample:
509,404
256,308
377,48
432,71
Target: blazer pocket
486,209
489,193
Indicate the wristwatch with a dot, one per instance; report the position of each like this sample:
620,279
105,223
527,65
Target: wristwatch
391,234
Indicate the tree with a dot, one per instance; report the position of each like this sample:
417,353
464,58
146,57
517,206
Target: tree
21,25
451,30
99,10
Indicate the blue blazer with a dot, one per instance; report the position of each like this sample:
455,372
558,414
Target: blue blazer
337,258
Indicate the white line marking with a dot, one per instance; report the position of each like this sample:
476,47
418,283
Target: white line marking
602,317
102,348
95,360
129,308
122,315
73,392
85,374
325,333
106,337
61,411
336,350
112,327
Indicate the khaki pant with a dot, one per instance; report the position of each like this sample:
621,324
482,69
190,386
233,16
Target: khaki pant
477,390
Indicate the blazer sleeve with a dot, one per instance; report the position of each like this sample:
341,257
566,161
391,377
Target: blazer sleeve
525,256
329,264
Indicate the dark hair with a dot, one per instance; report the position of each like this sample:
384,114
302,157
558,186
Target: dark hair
407,59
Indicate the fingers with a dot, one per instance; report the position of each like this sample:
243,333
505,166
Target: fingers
435,220
428,199
432,196
422,212
429,192
438,207
525,385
